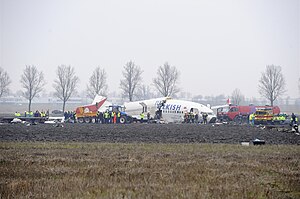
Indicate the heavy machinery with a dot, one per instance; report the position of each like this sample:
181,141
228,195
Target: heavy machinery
124,117
89,113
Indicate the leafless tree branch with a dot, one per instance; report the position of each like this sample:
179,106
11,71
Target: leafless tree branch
65,84
237,97
97,83
132,79
4,82
272,83
144,92
33,82
167,80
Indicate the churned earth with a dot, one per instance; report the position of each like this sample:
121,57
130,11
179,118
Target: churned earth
147,133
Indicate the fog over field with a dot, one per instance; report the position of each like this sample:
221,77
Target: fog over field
216,45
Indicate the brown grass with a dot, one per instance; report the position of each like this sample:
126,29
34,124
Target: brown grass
97,170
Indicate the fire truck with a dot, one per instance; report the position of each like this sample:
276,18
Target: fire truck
241,113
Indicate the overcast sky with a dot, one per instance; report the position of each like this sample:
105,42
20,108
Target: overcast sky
217,45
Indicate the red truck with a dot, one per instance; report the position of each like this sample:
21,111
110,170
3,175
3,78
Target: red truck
241,113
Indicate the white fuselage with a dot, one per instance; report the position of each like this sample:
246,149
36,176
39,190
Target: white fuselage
172,111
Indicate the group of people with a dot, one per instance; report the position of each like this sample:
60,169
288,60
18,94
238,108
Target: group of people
280,118
142,116
108,117
37,113
191,117
69,116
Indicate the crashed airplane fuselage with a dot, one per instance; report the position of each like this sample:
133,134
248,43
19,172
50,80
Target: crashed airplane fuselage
171,110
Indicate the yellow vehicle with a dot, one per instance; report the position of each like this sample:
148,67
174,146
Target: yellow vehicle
263,116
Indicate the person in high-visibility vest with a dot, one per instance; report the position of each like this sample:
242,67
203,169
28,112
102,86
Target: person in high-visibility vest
112,114
118,116
142,117
106,117
251,119
17,114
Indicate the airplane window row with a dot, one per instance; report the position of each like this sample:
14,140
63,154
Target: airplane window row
167,111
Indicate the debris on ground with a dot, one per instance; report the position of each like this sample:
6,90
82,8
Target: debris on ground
258,142
16,121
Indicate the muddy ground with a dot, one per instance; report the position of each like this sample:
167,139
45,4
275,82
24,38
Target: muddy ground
145,133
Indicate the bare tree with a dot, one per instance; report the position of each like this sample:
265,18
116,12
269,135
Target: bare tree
4,82
272,83
33,82
237,97
144,92
65,84
97,84
167,80
132,79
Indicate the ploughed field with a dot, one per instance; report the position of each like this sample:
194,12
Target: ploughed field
147,133
147,161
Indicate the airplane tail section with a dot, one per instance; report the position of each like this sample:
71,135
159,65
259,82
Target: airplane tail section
99,99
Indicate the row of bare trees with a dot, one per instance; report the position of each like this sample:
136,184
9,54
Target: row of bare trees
66,81
271,83
33,82
166,81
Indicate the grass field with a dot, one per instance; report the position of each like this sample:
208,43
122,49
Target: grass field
99,170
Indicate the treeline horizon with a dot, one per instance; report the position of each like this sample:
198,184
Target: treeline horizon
271,85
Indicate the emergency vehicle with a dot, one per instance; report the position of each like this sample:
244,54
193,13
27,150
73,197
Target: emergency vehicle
241,113
263,116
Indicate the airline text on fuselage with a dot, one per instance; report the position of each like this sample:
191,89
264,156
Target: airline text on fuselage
170,107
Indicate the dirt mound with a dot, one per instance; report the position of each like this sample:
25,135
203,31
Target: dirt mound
145,133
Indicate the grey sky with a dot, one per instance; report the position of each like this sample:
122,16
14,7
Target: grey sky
217,45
